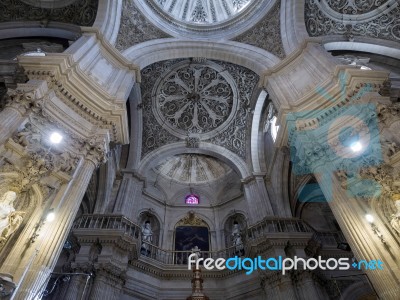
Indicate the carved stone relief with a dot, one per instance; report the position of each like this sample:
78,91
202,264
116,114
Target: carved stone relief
203,11
354,6
384,26
81,12
195,98
135,28
209,101
266,34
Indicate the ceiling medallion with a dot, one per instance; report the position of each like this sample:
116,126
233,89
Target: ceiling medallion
195,99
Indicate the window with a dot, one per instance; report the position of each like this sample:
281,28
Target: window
192,199
274,129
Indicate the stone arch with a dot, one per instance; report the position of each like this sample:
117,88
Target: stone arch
257,138
230,158
251,57
34,29
377,46
293,27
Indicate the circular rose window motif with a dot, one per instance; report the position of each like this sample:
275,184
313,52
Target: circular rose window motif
195,98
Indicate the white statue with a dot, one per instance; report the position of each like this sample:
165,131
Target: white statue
196,251
395,222
10,219
237,239
147,237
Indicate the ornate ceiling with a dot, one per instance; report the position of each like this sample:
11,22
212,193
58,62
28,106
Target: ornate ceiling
79,12
192,169
197,100
202,11
194,98
253,22
369,18
198,19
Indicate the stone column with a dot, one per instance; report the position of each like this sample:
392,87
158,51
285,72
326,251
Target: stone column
257,198
32,278
365,244
287,289
106,285
270,282
76,287
306,284
128,195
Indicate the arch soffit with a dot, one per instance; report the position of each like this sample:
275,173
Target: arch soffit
253,58
378,46
256,142
230,158
34,29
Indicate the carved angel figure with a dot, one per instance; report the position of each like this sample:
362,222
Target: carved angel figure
10,219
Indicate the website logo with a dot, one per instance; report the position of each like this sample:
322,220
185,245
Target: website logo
281,264
343,138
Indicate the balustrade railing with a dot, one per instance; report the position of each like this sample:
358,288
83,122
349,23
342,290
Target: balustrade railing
275,225
172,257
108,222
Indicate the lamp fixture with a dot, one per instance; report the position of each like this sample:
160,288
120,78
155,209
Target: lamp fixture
356,146
375,229
50,216
56,138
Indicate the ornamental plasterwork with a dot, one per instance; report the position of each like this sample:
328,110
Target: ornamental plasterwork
266,34
31,158
354,6
202,11
194,98
197,19
192,168
382,22
209,101
80,12
135,28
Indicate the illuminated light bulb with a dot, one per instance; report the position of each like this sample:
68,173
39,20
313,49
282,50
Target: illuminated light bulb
356,146
370,218
56,138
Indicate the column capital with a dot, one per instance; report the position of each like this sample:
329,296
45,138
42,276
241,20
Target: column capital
26,96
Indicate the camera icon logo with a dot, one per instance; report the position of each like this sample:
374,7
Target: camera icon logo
342,139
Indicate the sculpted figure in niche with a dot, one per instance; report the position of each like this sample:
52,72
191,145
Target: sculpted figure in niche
237,240
10,219
147,238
